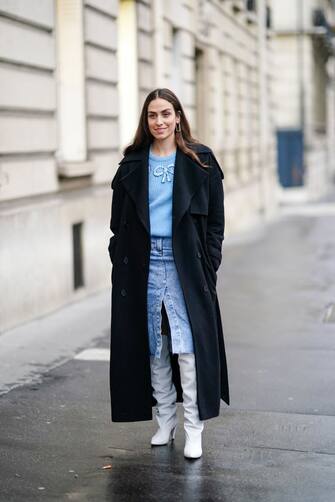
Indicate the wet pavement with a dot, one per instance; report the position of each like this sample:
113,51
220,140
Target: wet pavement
275,443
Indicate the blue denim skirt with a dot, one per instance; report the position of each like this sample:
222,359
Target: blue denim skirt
164,286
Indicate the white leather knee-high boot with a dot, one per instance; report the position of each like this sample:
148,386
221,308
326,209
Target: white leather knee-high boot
193,426
165,394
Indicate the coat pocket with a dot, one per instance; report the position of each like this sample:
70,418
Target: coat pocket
208,269
211,276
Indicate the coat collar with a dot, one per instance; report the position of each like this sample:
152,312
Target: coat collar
188,177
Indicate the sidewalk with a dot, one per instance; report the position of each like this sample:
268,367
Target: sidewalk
275,443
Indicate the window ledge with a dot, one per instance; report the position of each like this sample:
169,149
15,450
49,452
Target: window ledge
251,17
238,5
75,169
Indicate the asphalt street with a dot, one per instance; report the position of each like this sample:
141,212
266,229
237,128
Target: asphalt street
275,443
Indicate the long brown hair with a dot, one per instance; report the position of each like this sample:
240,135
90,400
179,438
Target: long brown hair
143,136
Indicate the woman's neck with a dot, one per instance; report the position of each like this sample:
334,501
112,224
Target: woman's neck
163,148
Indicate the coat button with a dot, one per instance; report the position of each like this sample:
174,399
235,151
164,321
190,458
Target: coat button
198,254
125,260
123,292
206,288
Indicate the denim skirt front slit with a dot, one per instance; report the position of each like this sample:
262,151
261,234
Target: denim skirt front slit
164,286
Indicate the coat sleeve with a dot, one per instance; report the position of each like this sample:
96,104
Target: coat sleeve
117,201
216,216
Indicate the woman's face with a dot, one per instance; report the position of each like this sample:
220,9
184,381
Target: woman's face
162,118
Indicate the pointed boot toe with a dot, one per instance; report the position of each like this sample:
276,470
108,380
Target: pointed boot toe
163,436
193,448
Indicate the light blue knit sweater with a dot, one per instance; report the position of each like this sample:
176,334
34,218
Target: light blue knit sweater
161,172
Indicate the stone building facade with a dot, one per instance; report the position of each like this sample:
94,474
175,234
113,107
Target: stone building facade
73,77
304,90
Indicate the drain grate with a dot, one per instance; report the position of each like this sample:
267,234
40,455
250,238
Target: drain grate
329,315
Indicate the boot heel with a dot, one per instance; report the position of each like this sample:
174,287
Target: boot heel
162,437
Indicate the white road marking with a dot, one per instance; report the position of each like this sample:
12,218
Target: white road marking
93,355
329,315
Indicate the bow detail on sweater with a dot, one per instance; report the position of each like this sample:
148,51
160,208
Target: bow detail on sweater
165,171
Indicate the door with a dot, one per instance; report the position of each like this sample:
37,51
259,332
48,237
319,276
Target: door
290,157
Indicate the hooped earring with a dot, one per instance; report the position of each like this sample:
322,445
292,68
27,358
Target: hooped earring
178,128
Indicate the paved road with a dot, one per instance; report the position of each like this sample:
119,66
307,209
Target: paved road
275,443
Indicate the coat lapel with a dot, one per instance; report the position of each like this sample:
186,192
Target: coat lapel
188,177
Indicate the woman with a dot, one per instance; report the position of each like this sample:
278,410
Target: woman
168,225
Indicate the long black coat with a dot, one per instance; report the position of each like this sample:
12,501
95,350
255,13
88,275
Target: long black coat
197,234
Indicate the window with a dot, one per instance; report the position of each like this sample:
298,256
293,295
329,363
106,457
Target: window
78,276
251,5
176,70
200,89
71,87
128,70
268,18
